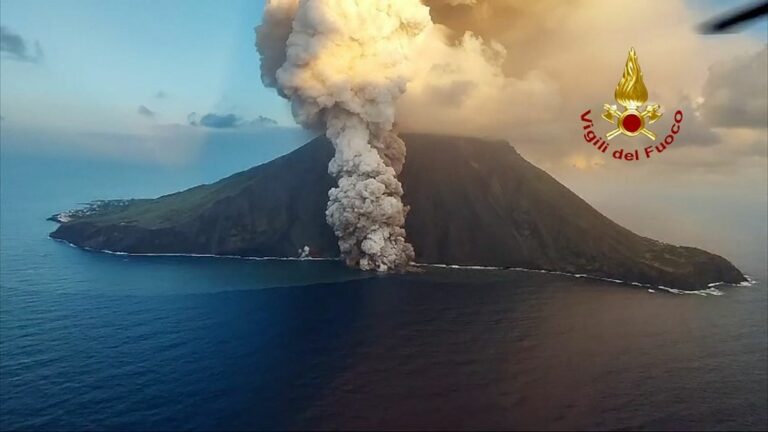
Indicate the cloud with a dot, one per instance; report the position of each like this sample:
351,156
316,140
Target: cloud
525,71
145,112
434,3
15,47
220,121
735,92
228,121
263,121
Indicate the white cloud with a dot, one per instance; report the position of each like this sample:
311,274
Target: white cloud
539,65
736,92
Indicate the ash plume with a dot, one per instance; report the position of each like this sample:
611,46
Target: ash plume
343,64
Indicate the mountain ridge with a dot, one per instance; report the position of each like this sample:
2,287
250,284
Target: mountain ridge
472,202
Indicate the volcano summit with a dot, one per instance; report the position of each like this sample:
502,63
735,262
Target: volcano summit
472,202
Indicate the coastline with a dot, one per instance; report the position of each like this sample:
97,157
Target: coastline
711,291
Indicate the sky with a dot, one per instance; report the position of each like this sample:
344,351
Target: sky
102,60
120,65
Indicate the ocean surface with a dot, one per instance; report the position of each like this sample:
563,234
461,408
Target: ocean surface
98,341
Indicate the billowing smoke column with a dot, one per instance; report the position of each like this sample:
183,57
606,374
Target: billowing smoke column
343,64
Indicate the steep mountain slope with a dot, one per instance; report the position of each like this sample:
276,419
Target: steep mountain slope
472,202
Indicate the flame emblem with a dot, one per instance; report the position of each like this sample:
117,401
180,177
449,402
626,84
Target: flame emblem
631,91
632,94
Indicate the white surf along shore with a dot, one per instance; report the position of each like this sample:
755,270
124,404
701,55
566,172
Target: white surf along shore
711,291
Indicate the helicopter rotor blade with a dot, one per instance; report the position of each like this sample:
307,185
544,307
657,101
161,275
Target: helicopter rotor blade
727,22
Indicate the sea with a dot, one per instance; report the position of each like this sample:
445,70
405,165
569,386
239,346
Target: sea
97,341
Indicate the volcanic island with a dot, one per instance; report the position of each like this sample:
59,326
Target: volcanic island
473,202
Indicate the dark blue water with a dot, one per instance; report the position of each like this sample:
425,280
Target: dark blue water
97,341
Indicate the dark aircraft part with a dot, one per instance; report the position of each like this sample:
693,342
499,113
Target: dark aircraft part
727,22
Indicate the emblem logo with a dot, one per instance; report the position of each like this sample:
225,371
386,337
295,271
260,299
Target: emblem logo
632,94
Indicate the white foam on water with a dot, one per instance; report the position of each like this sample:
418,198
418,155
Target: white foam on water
705,292
455,266
749,282
106,251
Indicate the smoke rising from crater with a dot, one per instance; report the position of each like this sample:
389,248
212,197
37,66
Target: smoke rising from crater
343,64
504,69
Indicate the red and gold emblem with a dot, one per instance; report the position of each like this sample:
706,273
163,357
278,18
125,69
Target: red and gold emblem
632,94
